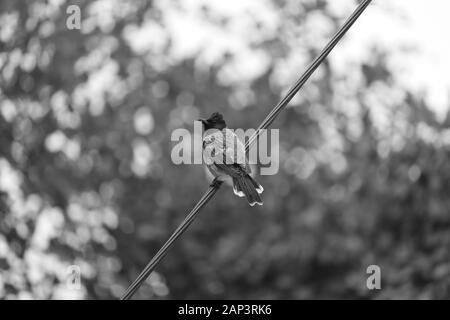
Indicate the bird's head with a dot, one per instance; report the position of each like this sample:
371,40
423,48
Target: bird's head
215,121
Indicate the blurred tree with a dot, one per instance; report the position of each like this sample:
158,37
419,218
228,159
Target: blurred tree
86,176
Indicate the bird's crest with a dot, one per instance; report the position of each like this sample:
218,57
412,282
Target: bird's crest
215,121
216,117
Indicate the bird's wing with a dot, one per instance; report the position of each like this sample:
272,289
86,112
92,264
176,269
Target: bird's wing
225,145
233,170
235,148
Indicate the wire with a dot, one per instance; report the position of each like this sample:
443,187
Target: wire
163,251
214,187
305,76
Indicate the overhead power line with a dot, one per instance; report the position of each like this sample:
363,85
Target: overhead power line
214,187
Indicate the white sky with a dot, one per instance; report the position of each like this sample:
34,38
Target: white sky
415,32
406,24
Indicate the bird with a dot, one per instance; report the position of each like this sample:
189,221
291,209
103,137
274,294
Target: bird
224,155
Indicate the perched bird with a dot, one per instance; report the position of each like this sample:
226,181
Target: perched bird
224,155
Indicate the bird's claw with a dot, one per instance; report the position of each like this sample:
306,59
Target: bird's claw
215,183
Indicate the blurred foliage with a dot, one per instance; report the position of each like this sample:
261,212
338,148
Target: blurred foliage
86,176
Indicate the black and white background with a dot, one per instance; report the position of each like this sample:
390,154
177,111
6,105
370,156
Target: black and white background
89,193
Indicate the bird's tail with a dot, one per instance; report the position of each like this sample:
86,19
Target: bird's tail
248,187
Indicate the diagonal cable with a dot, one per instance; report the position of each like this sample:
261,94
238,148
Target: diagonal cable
214,187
